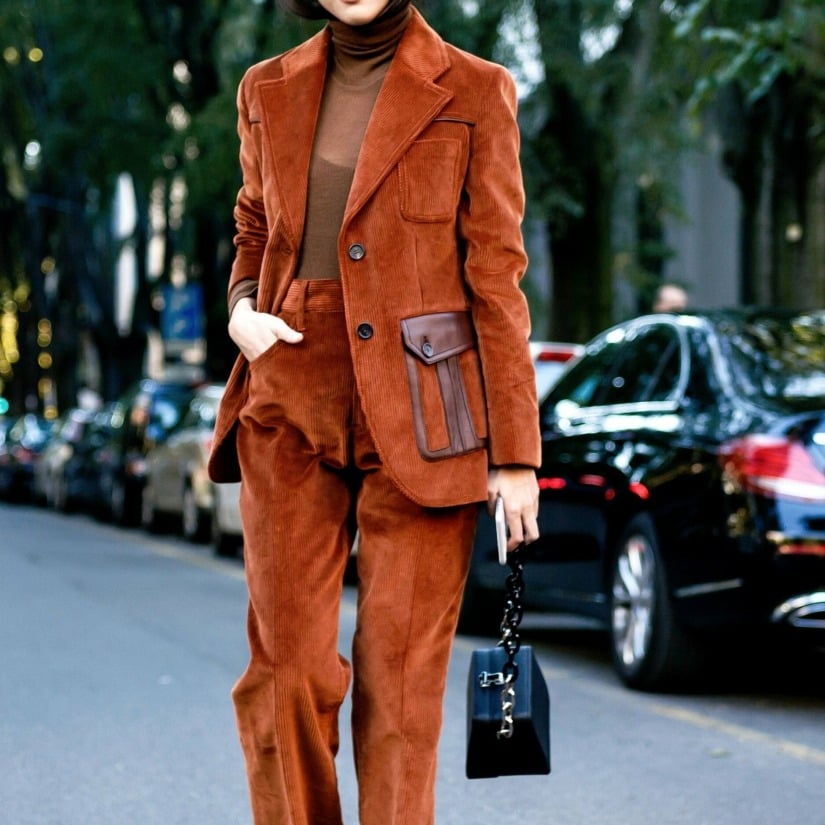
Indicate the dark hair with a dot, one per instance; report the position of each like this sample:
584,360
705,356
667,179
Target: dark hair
313,10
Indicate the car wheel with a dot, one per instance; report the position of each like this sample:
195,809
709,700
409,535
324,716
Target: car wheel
117,501
125,511
194,522
650,649
148,514
58,493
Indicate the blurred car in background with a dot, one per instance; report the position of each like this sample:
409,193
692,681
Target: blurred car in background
549,361
226,528
682,490
65,436
20,450
141,418
177,487
75,482
5,426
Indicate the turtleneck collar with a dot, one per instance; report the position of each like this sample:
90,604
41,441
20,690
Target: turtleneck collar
358,51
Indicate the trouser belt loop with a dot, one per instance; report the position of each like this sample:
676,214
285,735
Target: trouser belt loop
299,311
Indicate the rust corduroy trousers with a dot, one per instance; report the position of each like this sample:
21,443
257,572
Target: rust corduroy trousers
311,474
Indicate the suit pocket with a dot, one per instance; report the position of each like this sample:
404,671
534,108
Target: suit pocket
445,384
430,181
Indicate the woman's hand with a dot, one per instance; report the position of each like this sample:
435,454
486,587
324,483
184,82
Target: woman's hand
519,490
255,332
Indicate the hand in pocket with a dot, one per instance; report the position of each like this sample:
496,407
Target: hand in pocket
255,332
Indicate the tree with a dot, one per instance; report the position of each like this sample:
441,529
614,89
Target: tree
79,115
88,94
600,118
760,68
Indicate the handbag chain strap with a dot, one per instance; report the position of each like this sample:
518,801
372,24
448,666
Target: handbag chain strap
510,640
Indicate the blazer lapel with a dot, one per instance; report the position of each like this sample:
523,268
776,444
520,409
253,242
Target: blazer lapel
289,112
408,102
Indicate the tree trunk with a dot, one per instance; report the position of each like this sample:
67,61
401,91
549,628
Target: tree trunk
213,251
582,302
797,206
814,238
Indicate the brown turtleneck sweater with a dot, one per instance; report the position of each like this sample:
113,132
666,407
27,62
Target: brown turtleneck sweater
360,58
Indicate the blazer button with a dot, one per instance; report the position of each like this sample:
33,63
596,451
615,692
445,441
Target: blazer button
356,252
364,331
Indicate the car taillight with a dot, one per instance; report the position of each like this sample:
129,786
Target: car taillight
23,454
558,356
552,483
774,467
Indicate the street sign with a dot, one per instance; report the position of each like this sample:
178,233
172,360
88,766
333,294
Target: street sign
182,317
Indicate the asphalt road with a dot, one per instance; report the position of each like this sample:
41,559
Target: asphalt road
118,651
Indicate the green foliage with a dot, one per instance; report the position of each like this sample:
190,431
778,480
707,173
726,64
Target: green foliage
759,70
92,111
754,43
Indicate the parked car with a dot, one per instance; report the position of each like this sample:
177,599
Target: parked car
682,489
22,445
5,426
226,528
178,486
76,481
142,417
65,436
549,359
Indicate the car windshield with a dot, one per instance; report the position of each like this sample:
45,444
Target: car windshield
778,358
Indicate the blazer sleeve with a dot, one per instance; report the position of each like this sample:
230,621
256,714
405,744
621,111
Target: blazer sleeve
250,216
489,225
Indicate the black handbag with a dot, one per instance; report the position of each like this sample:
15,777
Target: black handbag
508,703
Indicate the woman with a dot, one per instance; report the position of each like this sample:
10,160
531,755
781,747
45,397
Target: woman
384,385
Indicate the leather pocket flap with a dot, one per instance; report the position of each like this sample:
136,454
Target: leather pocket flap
437,336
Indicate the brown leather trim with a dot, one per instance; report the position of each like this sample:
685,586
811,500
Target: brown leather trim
438,335
437,340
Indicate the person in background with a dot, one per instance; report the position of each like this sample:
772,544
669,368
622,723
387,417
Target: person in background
384,384
669,298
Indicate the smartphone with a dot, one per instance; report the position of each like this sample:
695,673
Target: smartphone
501,531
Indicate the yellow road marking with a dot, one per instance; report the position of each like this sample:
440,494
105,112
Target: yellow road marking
803,753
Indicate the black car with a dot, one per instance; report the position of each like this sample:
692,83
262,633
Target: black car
682,489
142,417
76,482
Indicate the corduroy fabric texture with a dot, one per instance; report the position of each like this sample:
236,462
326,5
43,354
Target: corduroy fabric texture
311,472
432,224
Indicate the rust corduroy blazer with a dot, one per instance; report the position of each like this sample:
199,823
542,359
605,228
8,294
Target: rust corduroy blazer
432,225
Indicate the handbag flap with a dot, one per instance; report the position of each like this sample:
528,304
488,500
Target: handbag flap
438,335
486,702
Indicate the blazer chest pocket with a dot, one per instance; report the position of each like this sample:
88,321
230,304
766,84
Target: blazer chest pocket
430,178
446,388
